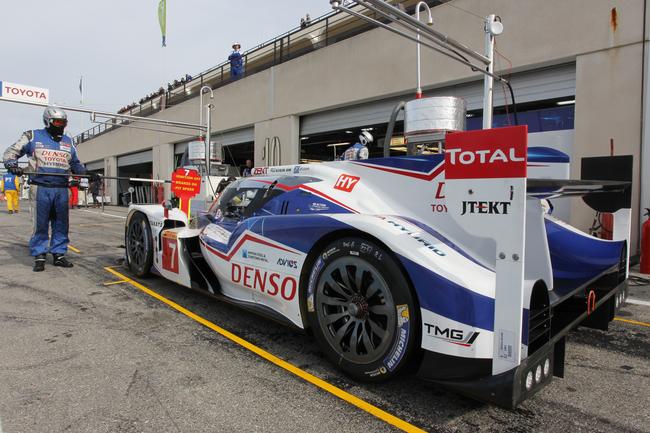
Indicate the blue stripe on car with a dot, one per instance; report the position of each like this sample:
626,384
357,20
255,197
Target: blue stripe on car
576,257
446,298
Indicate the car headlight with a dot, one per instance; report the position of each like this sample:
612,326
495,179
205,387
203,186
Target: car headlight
547,367
538,374
529,381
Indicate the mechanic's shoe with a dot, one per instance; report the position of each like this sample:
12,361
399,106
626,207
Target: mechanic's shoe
60,260
39,263
10,212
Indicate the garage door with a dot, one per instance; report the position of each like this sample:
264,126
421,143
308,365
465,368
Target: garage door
541,84
135,158
95,165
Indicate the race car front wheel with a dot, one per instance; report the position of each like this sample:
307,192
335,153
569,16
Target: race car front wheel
361,309
139,245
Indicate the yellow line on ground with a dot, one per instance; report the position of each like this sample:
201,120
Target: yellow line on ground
634,322
338,392
110,283
74,249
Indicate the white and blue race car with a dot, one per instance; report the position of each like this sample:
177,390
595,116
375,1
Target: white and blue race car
393,266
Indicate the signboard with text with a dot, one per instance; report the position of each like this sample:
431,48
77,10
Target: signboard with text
186,184
21,93
487,154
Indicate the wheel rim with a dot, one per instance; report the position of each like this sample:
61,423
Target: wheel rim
137,244
355,309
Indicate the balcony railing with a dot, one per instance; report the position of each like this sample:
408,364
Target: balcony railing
323,31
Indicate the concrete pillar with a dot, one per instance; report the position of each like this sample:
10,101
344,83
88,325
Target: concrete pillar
163,164
110,169
608,104
286,132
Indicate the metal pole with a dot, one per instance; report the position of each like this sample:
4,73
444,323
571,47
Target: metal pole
488,81
387,10
203,90
418,90
208,119
414,39
94,114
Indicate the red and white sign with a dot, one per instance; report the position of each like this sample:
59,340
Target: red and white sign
185,185
487,154
19,92
346,183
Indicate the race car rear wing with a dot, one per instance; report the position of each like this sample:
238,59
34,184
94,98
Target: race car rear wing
487,195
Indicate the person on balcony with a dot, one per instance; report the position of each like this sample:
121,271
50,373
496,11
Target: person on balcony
236,62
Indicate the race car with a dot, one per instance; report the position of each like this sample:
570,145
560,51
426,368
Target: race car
446,265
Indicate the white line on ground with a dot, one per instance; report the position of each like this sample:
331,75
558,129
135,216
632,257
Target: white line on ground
637,302
103,214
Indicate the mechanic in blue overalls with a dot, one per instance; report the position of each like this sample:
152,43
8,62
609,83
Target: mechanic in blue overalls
50,153
358,150
236,62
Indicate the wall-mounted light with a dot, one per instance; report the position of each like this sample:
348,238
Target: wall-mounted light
569,102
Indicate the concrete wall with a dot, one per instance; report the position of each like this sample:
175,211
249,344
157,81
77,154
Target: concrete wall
608,101
378,64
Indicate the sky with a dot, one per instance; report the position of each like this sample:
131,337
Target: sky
116,46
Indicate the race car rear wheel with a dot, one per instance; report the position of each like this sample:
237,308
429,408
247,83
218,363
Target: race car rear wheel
361,310
139,245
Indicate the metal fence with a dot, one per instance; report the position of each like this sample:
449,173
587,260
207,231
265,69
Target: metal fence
323,31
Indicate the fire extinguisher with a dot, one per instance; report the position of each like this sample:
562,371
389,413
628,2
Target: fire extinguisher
645,245
606,225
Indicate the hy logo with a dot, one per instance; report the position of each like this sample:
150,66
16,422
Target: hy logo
346,183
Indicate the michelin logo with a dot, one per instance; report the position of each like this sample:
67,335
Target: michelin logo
399,348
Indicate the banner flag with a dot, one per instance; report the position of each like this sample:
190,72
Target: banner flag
162,19
81,89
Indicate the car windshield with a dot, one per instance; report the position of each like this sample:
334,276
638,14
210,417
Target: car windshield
244,197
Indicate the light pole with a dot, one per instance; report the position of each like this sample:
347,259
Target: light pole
418,90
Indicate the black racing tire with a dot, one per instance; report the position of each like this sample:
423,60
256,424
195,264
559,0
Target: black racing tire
139,245
367,321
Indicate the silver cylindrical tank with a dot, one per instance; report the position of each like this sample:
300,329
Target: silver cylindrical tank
434,115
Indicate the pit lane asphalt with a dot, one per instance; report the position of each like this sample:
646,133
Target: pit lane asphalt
79,356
